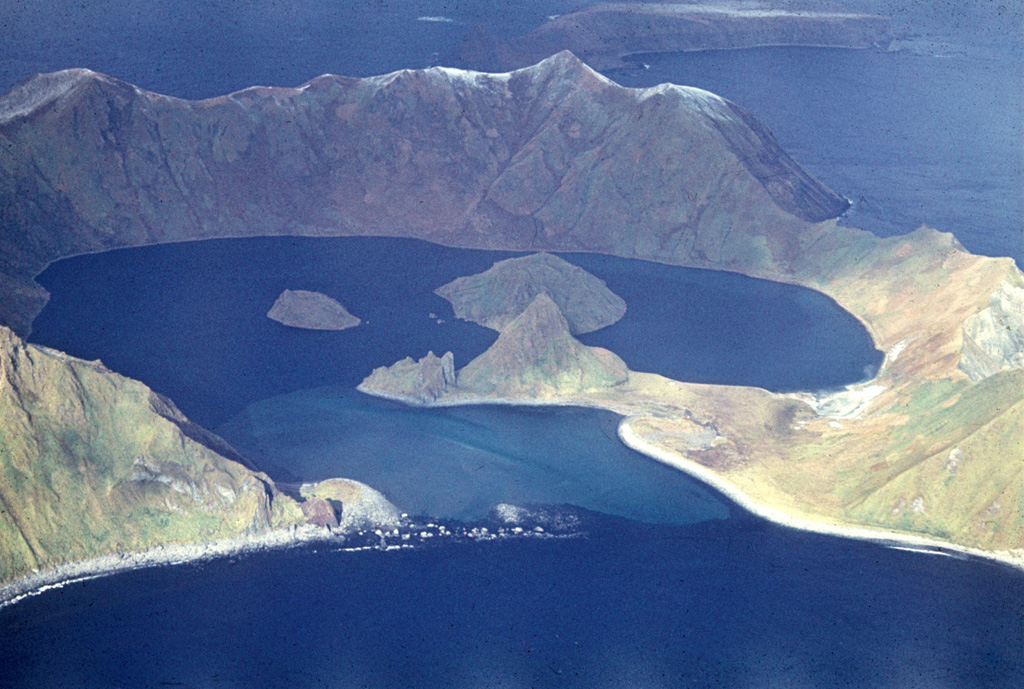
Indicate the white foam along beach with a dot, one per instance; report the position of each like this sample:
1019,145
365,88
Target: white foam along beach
893,539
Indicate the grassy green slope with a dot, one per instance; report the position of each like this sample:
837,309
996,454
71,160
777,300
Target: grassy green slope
93,463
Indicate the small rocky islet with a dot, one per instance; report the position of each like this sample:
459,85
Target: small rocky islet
311,310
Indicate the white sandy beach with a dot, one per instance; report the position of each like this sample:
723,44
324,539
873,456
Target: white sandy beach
893,539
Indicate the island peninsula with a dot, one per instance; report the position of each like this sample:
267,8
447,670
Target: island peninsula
547,158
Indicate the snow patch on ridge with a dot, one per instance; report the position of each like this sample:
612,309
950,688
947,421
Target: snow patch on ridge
470,77
37,91
704,102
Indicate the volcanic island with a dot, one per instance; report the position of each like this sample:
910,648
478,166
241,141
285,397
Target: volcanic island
97,470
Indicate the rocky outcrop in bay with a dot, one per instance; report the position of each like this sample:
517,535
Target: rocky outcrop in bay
416,382
312,311
354,505
497,296
536,356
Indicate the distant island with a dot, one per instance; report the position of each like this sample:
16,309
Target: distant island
605,33
311,310
547,158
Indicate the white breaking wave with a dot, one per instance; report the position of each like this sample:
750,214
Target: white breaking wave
436,20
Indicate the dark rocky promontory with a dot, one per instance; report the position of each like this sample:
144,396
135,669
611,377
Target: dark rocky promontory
312,311
497,296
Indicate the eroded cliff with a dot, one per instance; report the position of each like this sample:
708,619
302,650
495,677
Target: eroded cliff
95,464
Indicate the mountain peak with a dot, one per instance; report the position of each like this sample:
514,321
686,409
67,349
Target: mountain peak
537,356
565,66
42,89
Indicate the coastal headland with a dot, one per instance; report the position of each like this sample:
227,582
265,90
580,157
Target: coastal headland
604,34
547,158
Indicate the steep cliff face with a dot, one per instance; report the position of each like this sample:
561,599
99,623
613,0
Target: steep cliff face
93,464
993,338
495,297
604,33
536,356
553,156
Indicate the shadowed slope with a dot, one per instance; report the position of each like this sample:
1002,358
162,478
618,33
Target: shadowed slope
553,156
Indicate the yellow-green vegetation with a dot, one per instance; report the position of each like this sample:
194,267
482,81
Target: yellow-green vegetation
536,355
93,463
921,448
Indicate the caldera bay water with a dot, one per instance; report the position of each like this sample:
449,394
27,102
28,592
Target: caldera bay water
664,584
687,599
190,320
457,463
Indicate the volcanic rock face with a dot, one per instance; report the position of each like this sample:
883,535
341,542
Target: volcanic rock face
552,157
417,382
311,310
604,33
536,356
497,296
93,463
993,339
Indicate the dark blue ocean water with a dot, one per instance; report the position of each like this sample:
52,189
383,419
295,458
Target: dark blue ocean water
720,604
931,133
725,601
910,138
190,319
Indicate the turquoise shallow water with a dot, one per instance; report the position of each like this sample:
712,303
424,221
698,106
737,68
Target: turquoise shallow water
456,463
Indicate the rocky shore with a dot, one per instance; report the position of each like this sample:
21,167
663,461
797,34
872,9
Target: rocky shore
61,575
